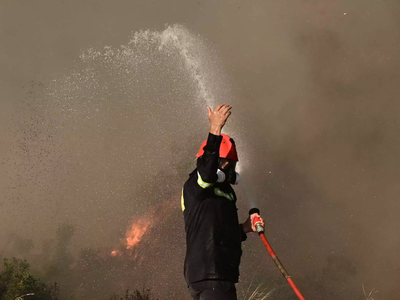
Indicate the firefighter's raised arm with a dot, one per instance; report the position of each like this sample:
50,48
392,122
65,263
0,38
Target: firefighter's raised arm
207,164
218,117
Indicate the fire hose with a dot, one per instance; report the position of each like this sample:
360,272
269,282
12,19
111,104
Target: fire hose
260,230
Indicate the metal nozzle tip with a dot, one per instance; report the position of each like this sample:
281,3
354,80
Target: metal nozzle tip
254,210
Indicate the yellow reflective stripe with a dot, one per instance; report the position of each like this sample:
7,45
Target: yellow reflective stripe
182,202
218,192
202,183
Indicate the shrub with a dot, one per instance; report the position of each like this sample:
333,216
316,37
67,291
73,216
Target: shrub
16,281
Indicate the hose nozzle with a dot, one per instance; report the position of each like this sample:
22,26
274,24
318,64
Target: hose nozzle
257,220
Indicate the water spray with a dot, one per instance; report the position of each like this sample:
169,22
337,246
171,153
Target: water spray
260,230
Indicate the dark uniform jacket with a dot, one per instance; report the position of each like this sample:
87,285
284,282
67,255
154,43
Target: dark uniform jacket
213,233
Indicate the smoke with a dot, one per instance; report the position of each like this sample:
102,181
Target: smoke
97,149
321,141
81,138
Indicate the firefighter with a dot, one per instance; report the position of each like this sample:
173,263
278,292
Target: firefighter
213,232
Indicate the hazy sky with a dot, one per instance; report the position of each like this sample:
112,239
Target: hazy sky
99,140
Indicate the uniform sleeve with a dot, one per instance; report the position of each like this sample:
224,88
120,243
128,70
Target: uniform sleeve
243,235
207,164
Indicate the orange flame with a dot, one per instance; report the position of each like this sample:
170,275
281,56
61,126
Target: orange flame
139,227
133,235
135,232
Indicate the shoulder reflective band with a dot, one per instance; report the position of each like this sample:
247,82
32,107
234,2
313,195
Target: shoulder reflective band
218,192
182,202
202,183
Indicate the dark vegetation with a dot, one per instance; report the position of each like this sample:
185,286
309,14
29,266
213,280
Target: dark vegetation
51,271
145,294
16,282
56,275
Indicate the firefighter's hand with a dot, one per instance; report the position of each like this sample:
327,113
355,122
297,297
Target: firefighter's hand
218,117
248,225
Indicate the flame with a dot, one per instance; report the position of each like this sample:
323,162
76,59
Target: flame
133,235
139,226
135,232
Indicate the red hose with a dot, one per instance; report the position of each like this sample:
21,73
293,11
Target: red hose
280,266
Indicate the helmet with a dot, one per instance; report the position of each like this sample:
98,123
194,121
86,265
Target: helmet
226,150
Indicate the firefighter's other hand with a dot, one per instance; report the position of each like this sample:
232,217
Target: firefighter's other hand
218,117
248,225
253,228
